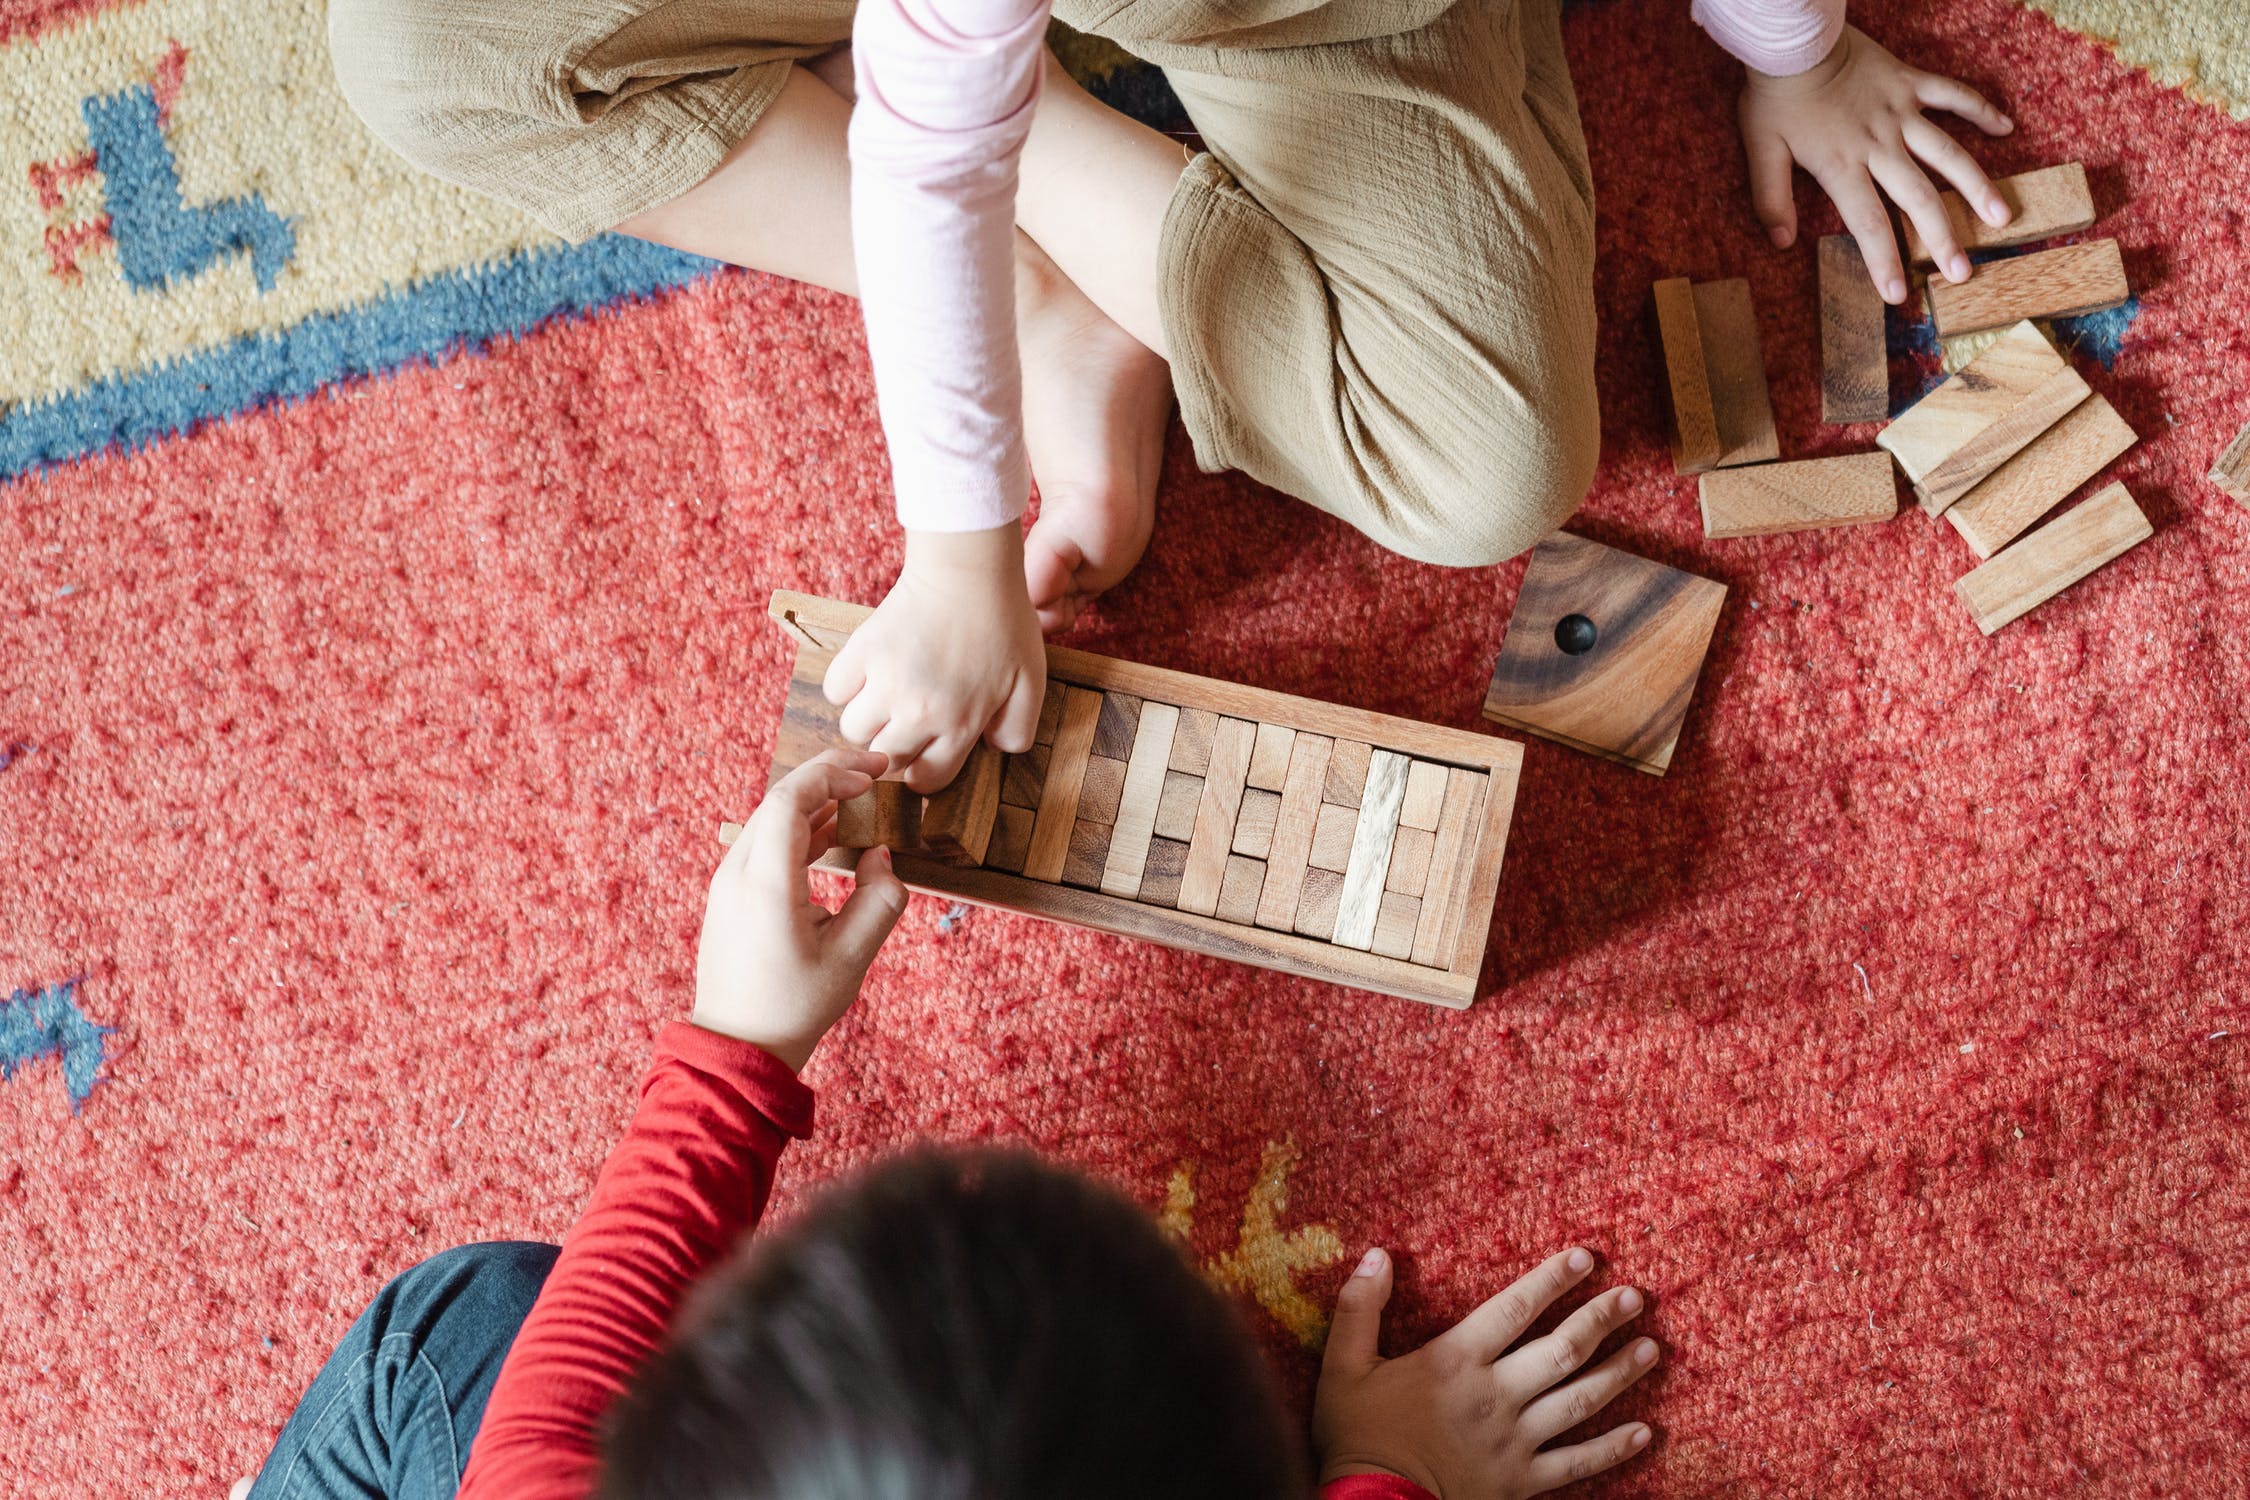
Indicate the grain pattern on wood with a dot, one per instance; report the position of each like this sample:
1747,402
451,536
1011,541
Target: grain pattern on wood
1855,370
1694,423
957,820
1410,854
1066,772
1734,367
886,814
1238,891
2058,283
1332,837
2053,399
2041,205
2041,477
1435,931
1089,852
2053,558
1347,772
2231,471
1395,923
1808,494
1294,821
1021,776
1269,758
1231,745
1114,731
1317,900
1160,880
1050,714
1372,838
1011,839
1191,741
1627,696
1425,795
1253,825
1183,794
1144,790
1981,392
1101,788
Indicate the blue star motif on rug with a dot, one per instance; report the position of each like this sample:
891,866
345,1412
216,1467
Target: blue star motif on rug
159,237
36,1024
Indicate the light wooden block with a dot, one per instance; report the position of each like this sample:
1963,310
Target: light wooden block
2055,398
2041,477
1191,741
1734,366
1293,826
1395,923
1317,900
1626,697
1144,790
1253,825
957,820
1232,743
1454,953
1347,772
2041,204
2053,558
1160,880
1114,731
887,814
1269,758
1807,494
1855,369
2016,363
1425,795
1183,794
1238,891
1410,854
1437,930
1332,837
1362,899
1021,776
2231,472
2059,283
1694,421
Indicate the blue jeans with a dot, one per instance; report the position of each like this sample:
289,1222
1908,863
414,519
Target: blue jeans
392,1413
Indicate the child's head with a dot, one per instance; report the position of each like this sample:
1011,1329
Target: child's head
957,1326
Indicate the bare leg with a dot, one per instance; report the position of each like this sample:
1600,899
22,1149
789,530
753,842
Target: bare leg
1095,398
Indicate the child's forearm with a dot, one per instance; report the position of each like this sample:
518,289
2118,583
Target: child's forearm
946,90
1780,37
689,1178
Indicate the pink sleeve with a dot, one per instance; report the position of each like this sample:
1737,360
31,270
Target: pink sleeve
1773,36
946,92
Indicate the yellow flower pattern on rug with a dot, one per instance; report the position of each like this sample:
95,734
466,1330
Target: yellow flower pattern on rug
1266,1259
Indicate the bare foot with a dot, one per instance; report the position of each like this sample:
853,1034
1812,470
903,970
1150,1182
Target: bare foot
1095,405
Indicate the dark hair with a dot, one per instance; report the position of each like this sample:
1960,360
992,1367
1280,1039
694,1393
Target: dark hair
957,1326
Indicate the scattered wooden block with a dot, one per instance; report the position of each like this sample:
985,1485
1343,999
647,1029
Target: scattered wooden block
1855,369
1410,853
2058,283
1347,772
2016,362
1694,420
1011,839
2041,477
1269,757
1377,828
2053,558
1623,696
1066,772
1394,924
1232,743
1183,794
1294,821
1807,494
1734,366
957,821
1976,460
2041,205
888,814
1144,789
1021,776
1191,742
2231,473
1238,891
1160,883
1253,826
1332,837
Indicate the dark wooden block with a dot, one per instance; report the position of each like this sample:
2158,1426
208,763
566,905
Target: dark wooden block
1022,776
1114,730
1011,839
1855,371
1160,876
1089,854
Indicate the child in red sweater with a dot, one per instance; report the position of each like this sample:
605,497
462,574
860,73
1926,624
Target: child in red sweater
972,1325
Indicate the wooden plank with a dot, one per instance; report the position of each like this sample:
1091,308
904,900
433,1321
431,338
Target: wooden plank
1231,746
1362,899
1238,891
1066,772
1410,856
1191,742
1183,794
1089,852
2042,204
2053,558
1021,776
957,820
2059,283
1347,772
1434,934
1735,369
1317,900
1425,795
1160,881
1293,825
1855,370
1144,790
1011,839
1253,825
2041,477
1269,758
1332,837
1808,494
1050,714
1101,789
1694,422
2054,398
2231,471
1395,923
887,814
1987,388
1114,731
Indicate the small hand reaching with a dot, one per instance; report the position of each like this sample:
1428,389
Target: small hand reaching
1462,1416
1855,122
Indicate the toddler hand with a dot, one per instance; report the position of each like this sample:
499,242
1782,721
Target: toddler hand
774,967
952,654
1461,1416
1858,116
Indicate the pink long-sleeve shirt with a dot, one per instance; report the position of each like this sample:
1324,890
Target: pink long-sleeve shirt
946,92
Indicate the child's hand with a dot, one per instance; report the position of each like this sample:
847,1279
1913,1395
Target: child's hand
952,655
1857,116
1460,1416
775,968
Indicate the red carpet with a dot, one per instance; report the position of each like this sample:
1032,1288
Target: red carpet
364,756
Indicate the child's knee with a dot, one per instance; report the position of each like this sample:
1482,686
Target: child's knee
401,67
1492,494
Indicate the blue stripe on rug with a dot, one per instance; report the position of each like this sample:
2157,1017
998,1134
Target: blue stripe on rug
460,310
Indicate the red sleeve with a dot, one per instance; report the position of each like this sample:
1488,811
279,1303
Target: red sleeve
689,1178
1373,1487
